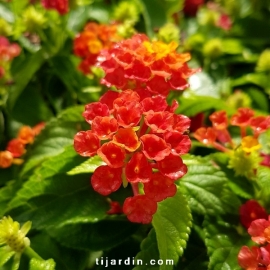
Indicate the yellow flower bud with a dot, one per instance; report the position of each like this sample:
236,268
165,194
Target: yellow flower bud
250,144
126,11
169,32
13,236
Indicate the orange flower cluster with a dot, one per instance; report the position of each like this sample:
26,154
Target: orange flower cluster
91,41
137,63
16,147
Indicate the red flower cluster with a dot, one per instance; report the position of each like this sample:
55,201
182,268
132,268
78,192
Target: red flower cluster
191,7
16,147
137,63
244,118
140,139
254,217
62,6
7,52
91,41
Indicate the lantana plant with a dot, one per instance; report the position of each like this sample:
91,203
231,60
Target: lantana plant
134,134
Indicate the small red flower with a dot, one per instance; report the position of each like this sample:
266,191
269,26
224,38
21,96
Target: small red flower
172,167
160,122
16,148
260,124
61,6
205,135
95,109
180,144
159,187
86,143
259,230
115,208
181,123
26,135
139,209
108,98
112,154
154,147
104,127
243,117
156,103
251,210
37,128
127,138
249,259
138,169
191,7
129,115
6,159
224,22
106,180
219,120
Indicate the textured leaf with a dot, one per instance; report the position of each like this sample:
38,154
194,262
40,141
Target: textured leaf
51,178
24,73
263,176
57,134
94,236
172,223
223,244
47,248
149,251
204,186
36,264
88,166
81,206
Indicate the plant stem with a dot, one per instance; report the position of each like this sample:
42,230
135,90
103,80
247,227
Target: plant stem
32,254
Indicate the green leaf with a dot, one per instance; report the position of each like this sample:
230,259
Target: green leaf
192,105
18,5
223,244
88,166
94,236
263,176
51,178
6,194
5,255
47,248
149,251
157,15
172,223
82,206
36,264
204,186
57,134
24,73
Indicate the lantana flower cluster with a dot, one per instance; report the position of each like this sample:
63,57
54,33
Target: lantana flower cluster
255,218
244,156
16,148
138,63
8,51
61,6
140,139
92,40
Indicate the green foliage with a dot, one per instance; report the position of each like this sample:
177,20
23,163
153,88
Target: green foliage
172,223
223,244
36,264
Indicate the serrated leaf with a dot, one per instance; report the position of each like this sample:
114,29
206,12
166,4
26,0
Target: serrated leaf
172,223
81,206
57,134
204,186
88,166
263,176
5,255
36,264
94,236
223,244
149,251
47,247
51,178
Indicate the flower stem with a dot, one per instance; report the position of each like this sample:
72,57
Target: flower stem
31,253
